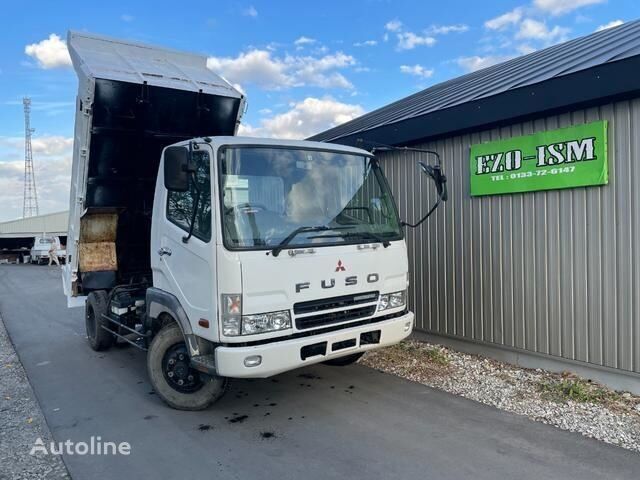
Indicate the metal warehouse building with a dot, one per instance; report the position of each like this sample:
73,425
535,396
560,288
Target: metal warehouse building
49,223
549,275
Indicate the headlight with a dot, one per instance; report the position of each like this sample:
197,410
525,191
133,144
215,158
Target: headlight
265,322
392,300
397,299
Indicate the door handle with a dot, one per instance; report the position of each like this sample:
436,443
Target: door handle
164,251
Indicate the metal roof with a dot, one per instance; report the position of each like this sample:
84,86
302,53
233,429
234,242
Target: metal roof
580,54
99,56
50,223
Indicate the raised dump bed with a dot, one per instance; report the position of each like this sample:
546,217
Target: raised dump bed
133,100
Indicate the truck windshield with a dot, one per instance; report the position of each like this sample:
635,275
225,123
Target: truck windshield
269,193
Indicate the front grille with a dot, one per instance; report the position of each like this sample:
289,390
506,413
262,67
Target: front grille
335,317
335,302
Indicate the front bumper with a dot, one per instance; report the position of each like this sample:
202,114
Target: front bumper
278,357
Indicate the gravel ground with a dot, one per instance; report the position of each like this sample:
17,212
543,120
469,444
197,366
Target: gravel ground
563,400
21,423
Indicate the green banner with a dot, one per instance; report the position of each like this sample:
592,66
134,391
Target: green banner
565,158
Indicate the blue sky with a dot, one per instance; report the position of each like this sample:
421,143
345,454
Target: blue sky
305,66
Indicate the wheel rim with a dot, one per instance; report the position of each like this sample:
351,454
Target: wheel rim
178,372
91,323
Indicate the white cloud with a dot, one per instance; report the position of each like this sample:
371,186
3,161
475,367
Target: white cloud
366,43
611,24
523,30
417,70
50,53
446,29
255,66
305,118
393,25
250,12
320,71
535,30
261,68
504,20
52,165
51,146
525,49
304,41
410,40
125,17
407,40
560,7
471,64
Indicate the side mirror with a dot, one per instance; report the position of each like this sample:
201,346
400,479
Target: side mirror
438,178
177,169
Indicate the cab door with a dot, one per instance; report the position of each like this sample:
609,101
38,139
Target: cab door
184,265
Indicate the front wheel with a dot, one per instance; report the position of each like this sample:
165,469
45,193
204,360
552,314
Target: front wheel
344,361
178,384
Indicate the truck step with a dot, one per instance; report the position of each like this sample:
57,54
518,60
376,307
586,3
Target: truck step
204,363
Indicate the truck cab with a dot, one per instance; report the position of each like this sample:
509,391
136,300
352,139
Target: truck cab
295,254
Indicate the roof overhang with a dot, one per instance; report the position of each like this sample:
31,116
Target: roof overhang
594,86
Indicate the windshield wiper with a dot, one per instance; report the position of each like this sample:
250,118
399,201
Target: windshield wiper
287,240
363,235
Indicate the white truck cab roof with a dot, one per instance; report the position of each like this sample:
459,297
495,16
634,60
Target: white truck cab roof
233,140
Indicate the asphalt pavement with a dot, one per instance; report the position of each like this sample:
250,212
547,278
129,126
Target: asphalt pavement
319,422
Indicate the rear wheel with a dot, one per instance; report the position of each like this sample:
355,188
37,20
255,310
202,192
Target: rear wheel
178,384
95,308
344,361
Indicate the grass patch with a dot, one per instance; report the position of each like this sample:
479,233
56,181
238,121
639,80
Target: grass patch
431,354
436,356
408,347
577,390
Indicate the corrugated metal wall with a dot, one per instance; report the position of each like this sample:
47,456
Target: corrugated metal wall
555,272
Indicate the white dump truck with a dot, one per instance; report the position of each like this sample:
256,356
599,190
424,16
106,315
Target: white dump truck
221,256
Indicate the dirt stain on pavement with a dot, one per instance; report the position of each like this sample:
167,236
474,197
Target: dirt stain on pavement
238,418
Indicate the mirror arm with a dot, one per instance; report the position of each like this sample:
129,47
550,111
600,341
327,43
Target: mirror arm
431,210
433,171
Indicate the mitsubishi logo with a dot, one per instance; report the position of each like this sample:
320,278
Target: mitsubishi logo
340,267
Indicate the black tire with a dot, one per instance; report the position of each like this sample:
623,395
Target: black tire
96,306
344,361
198,391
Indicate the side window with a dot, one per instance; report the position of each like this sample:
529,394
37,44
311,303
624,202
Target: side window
180,204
